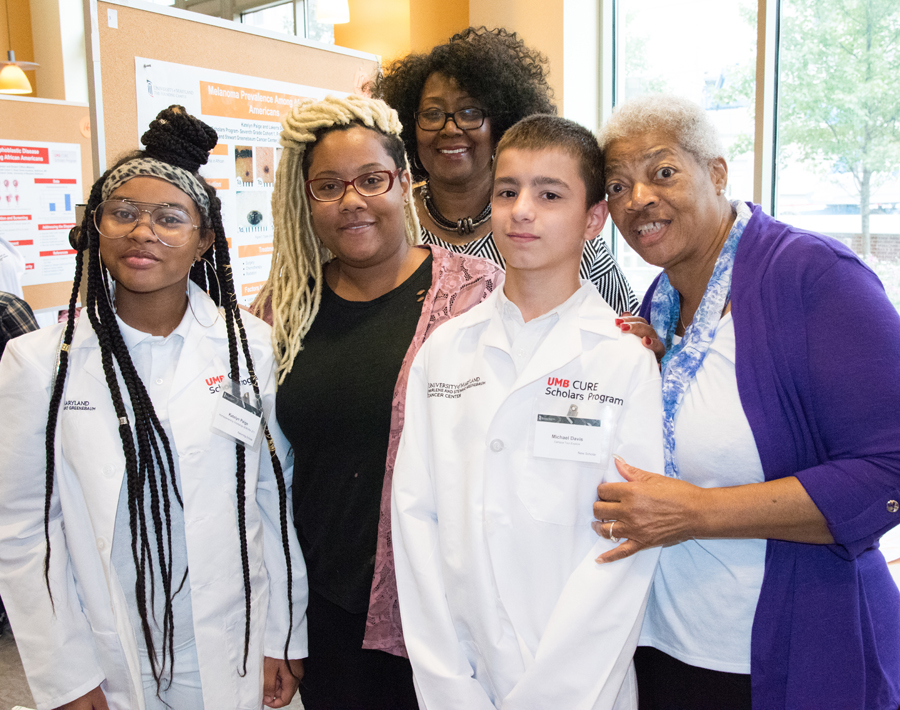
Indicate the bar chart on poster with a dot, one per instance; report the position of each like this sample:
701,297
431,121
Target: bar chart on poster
40,183
55,202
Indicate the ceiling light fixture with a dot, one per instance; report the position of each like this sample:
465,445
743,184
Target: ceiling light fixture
12,76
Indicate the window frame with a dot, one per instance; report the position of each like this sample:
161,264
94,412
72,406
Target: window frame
249,10
765,119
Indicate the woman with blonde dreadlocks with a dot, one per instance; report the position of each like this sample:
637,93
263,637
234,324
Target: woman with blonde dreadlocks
146,558
351,299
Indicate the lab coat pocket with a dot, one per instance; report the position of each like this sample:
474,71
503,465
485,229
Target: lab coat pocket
90,458
90,444
569,453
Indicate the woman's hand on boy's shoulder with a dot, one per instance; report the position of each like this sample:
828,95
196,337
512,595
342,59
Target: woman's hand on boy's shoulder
280,682
635,325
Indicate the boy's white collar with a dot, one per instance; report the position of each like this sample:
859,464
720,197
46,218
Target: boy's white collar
508,309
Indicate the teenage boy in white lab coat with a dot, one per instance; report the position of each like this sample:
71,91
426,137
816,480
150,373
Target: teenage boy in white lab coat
514,413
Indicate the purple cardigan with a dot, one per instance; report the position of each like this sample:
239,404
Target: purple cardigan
818,373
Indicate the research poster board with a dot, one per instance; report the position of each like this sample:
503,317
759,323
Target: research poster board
246,113
40,184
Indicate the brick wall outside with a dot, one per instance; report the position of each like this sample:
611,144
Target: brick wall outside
884,246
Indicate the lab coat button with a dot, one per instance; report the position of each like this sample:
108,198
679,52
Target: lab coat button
496,445
893,506
159,380
101,543
109,470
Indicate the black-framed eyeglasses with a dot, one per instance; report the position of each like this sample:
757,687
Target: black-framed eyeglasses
332,189
117,218
466,119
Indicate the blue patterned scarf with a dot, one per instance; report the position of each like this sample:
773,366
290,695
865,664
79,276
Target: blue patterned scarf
681,361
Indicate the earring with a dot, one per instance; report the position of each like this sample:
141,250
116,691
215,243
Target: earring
104,276
417,164
207,264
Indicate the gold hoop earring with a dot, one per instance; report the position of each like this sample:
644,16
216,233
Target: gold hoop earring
105,277
207,263
417,164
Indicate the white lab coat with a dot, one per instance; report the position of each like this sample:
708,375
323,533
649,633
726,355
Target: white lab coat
87,637
12,268
502,603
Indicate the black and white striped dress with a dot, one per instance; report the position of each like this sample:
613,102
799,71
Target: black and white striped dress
597,265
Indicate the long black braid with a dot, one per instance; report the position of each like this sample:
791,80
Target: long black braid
225,284
178,139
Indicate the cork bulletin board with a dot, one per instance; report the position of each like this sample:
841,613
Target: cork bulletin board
125,29
240,81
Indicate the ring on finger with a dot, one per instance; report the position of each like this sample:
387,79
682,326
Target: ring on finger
612,538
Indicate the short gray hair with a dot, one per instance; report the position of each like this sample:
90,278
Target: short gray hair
683,120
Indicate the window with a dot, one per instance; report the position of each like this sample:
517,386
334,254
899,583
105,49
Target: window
838,129
704,50
292,17
318,31
835,164
295,17
276,18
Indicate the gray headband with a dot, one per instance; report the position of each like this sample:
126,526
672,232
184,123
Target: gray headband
151,167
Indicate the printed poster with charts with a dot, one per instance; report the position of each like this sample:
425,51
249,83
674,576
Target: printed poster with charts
246,112
40,183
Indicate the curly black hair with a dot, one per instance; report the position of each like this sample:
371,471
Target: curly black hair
493,66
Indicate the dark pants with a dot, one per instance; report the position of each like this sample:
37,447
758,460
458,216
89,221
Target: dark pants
340,675
665,683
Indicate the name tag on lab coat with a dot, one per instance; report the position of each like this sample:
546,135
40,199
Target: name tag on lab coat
571,438
236,418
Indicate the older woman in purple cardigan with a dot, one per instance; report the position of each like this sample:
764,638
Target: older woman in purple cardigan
780,355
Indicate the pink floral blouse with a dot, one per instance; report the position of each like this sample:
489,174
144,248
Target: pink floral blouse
458,282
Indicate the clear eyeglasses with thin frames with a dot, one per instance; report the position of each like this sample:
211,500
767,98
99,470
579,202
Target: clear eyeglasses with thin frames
368,185
171,225
467,119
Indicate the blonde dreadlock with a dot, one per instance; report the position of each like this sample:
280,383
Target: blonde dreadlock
294,287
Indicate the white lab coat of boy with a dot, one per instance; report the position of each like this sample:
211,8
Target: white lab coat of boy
503,605
87,637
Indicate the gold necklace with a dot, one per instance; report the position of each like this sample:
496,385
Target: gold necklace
680,314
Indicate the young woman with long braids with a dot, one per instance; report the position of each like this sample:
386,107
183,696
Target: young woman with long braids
150,566
352,299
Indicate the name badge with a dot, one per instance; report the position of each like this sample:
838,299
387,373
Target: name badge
238,418
571,438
